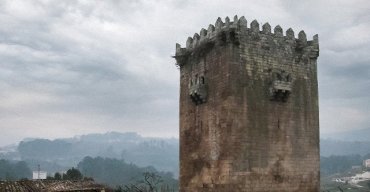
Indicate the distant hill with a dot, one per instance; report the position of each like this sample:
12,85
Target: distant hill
330,147
161,153
350,142
60,154
352,135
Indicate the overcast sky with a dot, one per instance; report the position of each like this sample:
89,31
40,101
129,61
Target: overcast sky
75,67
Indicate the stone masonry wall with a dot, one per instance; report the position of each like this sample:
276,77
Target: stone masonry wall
257,126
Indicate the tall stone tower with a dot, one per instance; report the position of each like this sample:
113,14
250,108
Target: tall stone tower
249,114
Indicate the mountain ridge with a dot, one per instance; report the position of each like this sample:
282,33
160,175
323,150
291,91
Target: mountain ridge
162,153
62,153
349,135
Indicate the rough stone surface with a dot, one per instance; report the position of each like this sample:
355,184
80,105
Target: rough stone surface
257,126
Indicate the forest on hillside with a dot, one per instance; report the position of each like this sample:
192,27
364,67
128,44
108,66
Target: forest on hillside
116,172
340,163
14,170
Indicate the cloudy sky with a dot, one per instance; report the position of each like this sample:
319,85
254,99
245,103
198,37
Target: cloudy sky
75,67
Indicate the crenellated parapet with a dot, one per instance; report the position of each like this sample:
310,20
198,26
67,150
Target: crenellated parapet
237,30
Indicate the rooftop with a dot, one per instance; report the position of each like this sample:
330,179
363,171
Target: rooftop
52,186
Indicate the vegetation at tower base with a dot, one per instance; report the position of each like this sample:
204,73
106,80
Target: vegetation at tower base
151,182
249,116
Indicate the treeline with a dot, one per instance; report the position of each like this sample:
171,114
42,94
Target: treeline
71,174
113,172
116,172
14,170
340,163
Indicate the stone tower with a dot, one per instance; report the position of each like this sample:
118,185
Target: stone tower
249,114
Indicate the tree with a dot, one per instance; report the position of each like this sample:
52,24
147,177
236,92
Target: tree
57,176
152,180
73,174
150,183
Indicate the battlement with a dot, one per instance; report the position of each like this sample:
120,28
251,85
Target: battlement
234,31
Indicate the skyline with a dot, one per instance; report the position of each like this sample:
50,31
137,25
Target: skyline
77,67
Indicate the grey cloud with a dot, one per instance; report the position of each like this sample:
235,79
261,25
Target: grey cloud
78,66
344,62
355,71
